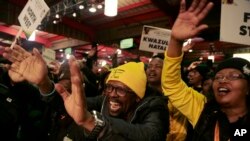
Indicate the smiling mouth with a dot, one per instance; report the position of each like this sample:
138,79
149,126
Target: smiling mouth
223,91
151,75
114,106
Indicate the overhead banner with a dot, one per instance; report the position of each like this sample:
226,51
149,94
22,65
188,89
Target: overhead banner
154,39
235,21
32,15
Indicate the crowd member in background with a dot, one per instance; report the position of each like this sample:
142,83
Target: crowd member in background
126,110
90,74
153,72
228,114
197,71
21,107
180,128
102,82
207,85
60,73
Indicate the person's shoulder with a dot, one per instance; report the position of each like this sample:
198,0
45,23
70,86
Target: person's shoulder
153,97
151,92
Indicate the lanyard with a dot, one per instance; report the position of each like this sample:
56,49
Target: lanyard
217,132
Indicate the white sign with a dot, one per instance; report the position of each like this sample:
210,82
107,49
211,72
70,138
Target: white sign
235,21
32,15
154,39
49,55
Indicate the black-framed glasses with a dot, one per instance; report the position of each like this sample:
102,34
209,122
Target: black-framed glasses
229,77
119,90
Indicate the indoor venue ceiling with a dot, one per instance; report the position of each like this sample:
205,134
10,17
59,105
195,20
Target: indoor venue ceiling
86,28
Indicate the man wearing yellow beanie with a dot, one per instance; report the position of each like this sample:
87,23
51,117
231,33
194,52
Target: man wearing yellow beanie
126,74
125,111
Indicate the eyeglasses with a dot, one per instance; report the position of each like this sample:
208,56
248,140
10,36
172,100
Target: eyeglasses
119,90
230,77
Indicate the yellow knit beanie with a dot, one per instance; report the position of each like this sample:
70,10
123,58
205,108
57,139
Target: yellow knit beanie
131,74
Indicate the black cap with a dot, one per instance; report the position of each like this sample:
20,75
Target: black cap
240,64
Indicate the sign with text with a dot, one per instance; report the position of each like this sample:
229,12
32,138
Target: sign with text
154,39
49,55
32,15
235,21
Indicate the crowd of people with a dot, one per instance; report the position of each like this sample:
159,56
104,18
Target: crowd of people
157,101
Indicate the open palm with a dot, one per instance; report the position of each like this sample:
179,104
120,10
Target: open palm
75,102
32,69
25,66
187,23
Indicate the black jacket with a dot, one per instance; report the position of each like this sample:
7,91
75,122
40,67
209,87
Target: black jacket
149,123
204,130
59,125
21,111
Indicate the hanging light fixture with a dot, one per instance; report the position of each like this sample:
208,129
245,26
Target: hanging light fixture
110,8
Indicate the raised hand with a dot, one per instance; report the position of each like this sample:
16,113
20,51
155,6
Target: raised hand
187,24
75,102
26,66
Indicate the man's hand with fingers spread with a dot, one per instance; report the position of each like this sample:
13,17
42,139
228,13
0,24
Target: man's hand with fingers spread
28,67
75,102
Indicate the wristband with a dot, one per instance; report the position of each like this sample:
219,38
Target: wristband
52,92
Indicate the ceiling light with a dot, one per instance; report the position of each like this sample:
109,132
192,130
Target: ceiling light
110,8
99,6
74,14
54,22
81,7
57,16
92,9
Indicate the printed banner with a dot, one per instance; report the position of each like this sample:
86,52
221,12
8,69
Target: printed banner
235,21
154,39
32,15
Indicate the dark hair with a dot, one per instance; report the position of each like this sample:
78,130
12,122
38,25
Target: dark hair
161,56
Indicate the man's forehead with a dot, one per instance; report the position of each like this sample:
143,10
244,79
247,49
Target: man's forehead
118,84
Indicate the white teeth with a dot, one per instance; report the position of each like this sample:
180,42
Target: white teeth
114,103
114,106
223,90
151,74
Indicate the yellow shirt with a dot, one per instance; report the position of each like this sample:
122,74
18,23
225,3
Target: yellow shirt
188,101
178,125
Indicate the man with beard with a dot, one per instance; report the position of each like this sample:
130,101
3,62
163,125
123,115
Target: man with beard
125,111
